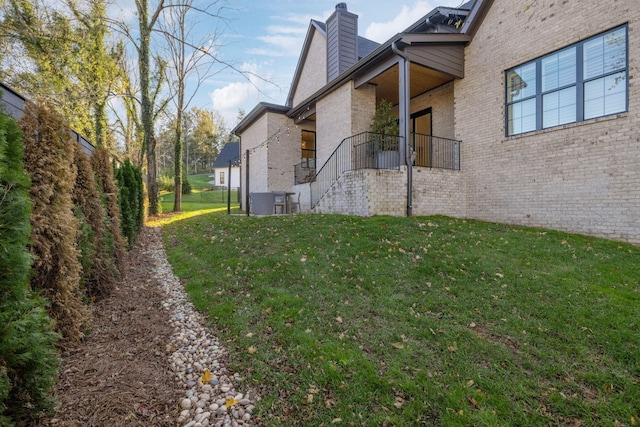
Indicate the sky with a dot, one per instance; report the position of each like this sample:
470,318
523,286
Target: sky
263,40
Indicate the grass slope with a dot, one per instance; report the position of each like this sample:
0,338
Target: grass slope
201,196
418,321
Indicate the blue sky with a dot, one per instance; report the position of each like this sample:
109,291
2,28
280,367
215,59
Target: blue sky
265,38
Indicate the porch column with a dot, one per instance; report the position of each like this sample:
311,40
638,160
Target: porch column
404,116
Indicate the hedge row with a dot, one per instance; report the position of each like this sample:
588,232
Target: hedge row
61,247
28,357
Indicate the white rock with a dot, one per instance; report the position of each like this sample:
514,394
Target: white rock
185,404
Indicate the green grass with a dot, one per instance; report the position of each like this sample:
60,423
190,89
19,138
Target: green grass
418,321
201,197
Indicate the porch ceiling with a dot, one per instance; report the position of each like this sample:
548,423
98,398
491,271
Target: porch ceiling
422,78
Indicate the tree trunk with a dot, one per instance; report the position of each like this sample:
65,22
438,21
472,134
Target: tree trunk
177,158
146,111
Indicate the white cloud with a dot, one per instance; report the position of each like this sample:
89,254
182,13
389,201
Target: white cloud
383,31
245,93
287,45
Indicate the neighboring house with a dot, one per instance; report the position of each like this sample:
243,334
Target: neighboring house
510,111
223,178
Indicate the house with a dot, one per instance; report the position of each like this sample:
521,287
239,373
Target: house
226,167
510,111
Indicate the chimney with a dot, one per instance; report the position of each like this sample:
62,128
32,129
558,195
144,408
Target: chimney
342,41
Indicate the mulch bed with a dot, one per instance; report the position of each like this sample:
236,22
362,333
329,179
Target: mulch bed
120,375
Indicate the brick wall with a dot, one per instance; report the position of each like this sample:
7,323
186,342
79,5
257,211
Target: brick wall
284,152
440,100
344,112
271,164
581,177
314,73
367,192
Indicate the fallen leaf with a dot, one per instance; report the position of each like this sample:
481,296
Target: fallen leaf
230,402
252,350
473,402
339,319
397,345
309,398
206,376
336,421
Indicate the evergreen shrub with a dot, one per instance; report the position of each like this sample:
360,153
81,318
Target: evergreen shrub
28,356
131,200
99,272
103,169
49,150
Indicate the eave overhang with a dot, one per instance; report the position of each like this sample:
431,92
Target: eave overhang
383,58
257,112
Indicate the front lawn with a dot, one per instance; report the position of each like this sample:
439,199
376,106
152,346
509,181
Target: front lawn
418,321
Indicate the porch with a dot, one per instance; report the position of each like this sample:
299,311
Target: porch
365,174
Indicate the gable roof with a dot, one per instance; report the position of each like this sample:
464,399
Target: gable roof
365,47
432,29
256,113
230,151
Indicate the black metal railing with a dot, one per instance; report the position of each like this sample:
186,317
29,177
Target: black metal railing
365,150
435,152
303,173
370,150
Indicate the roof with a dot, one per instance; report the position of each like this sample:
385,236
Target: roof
365,46
435,27
230,151
256,113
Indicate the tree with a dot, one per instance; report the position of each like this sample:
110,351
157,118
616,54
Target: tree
96,63
189,59
145,26
68,63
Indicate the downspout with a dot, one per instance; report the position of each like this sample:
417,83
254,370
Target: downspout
404,112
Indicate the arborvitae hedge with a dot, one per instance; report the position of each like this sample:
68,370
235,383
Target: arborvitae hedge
99,272
131,200
28,357
48,160
103,169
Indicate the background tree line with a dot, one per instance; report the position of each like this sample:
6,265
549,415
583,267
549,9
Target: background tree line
127,85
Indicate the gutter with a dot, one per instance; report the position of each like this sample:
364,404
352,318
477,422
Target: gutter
405,97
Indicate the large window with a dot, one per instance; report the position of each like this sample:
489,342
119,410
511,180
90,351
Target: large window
580,82
308,149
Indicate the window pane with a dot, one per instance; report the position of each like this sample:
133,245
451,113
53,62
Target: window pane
604,96
521,82
559,69
559,107
605,53
522,117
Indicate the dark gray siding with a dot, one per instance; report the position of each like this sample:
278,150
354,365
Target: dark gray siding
342,41
447,59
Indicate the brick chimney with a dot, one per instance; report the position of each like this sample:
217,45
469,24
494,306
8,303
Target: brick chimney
342,41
